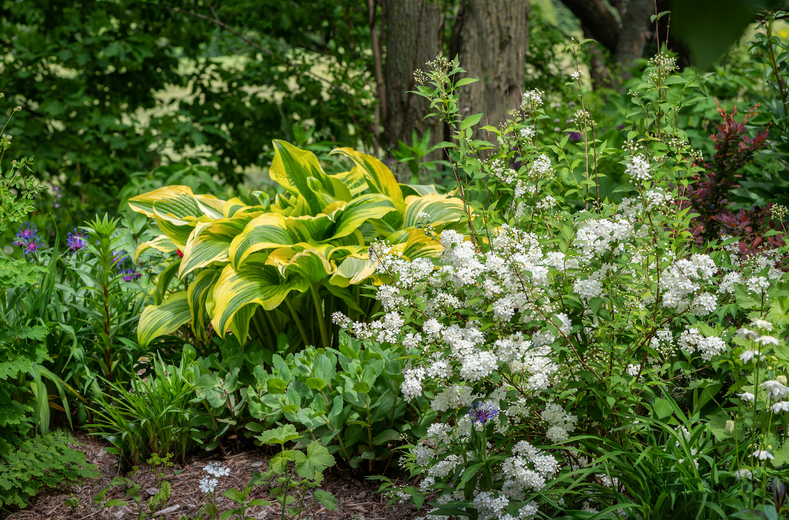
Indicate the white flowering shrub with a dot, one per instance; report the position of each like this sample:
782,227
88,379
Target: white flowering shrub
552,323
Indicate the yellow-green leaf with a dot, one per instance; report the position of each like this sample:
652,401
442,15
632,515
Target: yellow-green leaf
197,294
253,283
379,178
441,210
159,320
372,206
160,243
292,167
265,232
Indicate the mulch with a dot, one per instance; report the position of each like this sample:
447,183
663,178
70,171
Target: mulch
356,499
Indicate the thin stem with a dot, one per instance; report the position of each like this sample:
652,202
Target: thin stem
320,315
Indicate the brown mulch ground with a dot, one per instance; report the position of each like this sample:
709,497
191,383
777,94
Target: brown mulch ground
356,499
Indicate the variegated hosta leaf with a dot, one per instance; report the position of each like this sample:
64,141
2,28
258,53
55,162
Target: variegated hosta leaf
419,245
441,210
292,167
418,189
160,243
240,324
254,283
178,200
303,261
159,320
178,235
354,180
379,179
265,232
372,206
197,294
312,229
210,243
352,271
163,280
233,206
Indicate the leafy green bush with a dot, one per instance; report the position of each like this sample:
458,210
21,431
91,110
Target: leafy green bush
37,462
348,398
285,266
570,341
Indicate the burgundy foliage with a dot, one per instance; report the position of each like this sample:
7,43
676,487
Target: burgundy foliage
708,192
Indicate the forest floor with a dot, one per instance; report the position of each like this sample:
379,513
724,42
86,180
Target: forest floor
356,499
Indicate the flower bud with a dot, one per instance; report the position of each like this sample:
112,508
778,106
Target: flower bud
782,379
729,426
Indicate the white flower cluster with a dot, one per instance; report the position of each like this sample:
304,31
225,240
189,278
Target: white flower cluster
541,167
679,283
597,236
216,471
528,132
638,168
532,99
527,469
691,340
560,422
502,172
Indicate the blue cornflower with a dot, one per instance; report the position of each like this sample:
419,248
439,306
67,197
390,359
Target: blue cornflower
130,275
481,412
28,231
77,241
32,245
118,256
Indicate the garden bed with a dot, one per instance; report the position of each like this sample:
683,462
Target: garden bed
356,499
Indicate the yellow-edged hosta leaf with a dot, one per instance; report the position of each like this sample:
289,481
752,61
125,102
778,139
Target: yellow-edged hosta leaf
210,205
265,232
440,209
309,263
352,271
292,167
311,229
372,206
252,284
197,295
240,324
163,280
176,200
211,243
178,235
354,180
378,176
341,252
159,320
418,245
160,243
231,207
418,189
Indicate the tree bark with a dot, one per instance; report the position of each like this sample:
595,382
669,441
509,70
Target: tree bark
412,40
493,45
631,43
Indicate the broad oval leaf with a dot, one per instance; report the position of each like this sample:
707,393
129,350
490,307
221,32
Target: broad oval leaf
265,232
254,283
159,320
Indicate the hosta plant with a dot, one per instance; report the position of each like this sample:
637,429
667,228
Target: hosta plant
284,265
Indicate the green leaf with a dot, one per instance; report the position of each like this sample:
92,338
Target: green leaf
159,320
466,81
471,121
326,499
258,502
316,383
316,460
116,503
279,435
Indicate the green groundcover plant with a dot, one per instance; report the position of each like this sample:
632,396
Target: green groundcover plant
586,358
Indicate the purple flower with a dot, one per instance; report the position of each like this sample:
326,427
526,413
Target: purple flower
574,136
118,256
77,241
28,231
481,412
130,275
32,245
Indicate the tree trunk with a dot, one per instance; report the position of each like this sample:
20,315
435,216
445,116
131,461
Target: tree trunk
412,40
631,44
493,46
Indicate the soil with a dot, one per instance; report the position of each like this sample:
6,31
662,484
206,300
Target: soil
356,499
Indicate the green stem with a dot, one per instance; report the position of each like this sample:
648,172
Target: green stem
320,315
298,322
